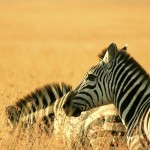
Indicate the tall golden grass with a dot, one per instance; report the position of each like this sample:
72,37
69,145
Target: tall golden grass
35,137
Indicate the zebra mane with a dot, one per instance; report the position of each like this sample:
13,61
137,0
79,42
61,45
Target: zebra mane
129,59
141,70
50,88
102,54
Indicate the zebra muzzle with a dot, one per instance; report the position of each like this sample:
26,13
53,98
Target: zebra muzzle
70,110
68,107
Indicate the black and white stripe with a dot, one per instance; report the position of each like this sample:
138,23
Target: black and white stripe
120,80
76,132
38,104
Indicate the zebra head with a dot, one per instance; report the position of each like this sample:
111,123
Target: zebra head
95,89
12,116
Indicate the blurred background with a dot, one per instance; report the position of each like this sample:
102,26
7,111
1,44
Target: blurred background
54,41
44,41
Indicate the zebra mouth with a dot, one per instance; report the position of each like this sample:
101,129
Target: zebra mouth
68,107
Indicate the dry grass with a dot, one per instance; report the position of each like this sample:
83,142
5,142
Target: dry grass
65,137
42,42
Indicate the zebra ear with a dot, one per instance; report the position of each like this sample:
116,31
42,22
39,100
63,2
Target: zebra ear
125,47
111,53
11,116
10,109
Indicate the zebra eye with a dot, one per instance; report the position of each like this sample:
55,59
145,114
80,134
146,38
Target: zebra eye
91,77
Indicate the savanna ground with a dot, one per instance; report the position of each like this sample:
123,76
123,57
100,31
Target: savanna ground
54,41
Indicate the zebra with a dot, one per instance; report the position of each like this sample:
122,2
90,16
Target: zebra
52,115
35,105
120,80
78,132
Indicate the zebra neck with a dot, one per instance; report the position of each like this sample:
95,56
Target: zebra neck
131,93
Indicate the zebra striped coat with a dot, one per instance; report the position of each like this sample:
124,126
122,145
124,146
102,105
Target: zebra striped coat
46,103
120,80
35,105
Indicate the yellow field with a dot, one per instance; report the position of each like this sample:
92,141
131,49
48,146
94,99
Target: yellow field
54,41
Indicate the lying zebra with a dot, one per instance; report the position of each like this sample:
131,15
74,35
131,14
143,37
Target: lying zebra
46,103
25,110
